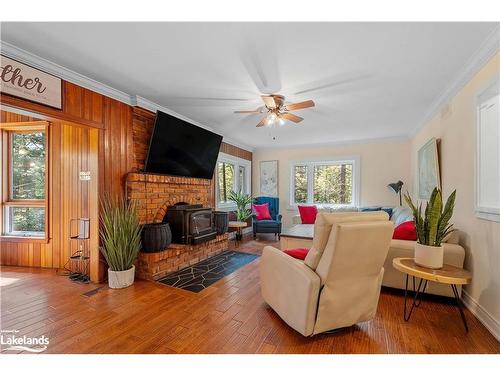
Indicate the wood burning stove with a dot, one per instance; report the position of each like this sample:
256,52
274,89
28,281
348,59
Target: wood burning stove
190,223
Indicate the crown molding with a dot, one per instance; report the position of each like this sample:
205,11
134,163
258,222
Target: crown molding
50,67
336,143
47,66
485,52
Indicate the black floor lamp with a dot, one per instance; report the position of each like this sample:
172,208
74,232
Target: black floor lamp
396,187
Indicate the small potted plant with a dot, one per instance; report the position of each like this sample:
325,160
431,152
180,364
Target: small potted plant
121,240
432,228
243,211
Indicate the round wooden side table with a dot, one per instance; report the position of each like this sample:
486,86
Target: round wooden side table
239,225
447,275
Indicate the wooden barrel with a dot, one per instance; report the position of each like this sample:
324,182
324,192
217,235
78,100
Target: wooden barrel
155,237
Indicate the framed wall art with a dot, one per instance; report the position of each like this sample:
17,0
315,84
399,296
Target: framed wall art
269,178
429,175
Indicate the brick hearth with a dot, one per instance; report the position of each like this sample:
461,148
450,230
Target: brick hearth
152,266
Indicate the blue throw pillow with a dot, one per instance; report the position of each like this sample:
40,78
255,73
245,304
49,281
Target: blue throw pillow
388,210
366,209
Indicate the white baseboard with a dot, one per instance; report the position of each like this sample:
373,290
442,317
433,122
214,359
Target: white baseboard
484,316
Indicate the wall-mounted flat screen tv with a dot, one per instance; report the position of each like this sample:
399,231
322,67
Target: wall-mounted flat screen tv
180,148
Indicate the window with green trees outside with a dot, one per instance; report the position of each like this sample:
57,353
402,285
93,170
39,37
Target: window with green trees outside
24,210
324,183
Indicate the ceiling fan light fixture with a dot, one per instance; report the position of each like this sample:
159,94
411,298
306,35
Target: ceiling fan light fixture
278,112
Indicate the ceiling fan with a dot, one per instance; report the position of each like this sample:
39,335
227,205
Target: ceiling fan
277,111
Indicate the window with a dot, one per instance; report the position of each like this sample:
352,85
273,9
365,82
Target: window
300,188
488,154
225,174
325,183
24,172
242,179
233,174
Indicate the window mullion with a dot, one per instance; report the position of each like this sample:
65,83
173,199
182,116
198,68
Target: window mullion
236,179
25,203
310,183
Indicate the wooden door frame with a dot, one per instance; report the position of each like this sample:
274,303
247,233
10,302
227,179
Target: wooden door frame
96,266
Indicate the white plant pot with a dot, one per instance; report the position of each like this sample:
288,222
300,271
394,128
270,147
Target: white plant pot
429,256
121,279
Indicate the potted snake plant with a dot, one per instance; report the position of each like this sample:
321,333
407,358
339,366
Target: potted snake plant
432,228
121,240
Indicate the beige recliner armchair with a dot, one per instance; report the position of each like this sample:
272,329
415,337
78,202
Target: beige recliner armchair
338,284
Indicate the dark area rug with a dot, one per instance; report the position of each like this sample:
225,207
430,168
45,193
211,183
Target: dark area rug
203,274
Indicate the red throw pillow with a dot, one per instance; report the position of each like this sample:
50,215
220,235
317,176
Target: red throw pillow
308,214
300,253
405,231
262,211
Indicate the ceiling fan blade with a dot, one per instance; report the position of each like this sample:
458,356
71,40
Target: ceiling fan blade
256,111
261,64
301,105
291,117
262,122
338,80
269,101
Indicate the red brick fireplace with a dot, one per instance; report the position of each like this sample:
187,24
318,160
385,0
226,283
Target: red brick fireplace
153,194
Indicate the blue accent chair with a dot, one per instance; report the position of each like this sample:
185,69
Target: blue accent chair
268,226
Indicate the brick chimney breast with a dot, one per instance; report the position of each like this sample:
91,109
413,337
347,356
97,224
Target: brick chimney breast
153,194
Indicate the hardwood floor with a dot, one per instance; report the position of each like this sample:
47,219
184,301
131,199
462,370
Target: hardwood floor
228,317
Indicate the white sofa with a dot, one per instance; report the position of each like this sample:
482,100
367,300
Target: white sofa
454,254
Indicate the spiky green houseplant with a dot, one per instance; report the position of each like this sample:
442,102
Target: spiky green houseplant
243,211
433,226
242,201
120,233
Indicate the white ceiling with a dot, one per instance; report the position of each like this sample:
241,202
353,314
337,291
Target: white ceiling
369,80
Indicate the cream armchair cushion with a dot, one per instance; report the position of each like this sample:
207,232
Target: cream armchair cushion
351,272
323,227
290,288
345,287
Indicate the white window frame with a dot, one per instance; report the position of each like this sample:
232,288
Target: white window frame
484,96
356,173
237,162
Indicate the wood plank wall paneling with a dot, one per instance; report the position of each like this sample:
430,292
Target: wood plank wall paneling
116,147
85,109
142,127
119,145
235,151
14,117
71,149
97,134
114,118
